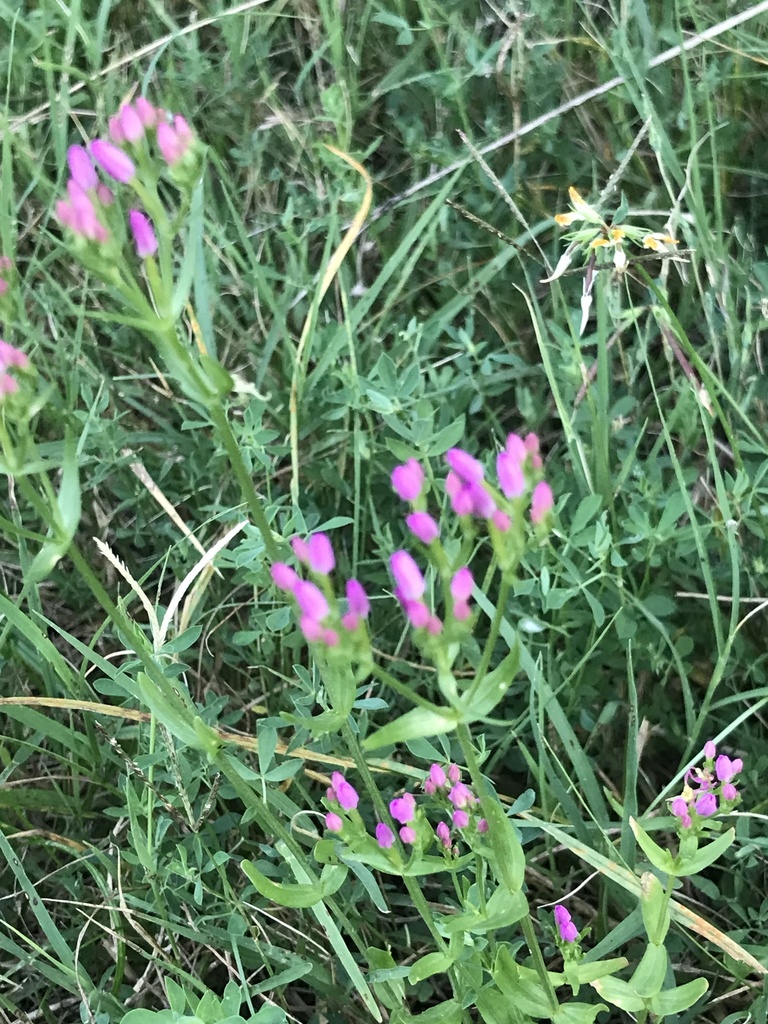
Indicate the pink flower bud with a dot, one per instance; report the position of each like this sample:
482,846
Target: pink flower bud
8,386
465,465
172,144
726,769
510,474
532,447
12,356
418,614
461,795
706,805
116,129
444,835
145,110
345,792
462,584
407,576
408,480
312,630
515,448
407,835
429,787
320,554
104,194
501,521
729,792
460,819
566,928
284,576
311,600
434,625
710,750
454,773
357,599
542,501
330,638
679,807
333,822
81,167
423,527
482,825
403,809
114,161
131,124
437,776
301,550
385,837
143,233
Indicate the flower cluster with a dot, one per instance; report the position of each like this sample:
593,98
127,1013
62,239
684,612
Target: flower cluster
319,617
708,790
598,236
87,210
409,818
566,929
341,796
11,358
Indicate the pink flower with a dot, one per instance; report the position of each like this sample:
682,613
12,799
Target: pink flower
710,750
515,448
706,805
726,769
418,614
434,625
465,465
114,161
454,773
145,110
403,808
408,480
284,576
345,792
311,600
79,214
461,795
385,837
116,129
729,792
460,819
301,550
565,926
143,233
429,787
510,474
532,447
542,501
333,822
501,521
410,582
423,527
482,825
407,835
12,356
8,385
81,167
444,835
320,554
173,142
104,194
462,584
437,776
679,807
359,605
131,125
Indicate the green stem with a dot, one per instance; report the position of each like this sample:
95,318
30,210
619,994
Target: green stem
501,603
478,783
405,691
248,491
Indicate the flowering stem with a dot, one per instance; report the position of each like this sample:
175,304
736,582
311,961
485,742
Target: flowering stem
248,491
405,691
478,783
414,890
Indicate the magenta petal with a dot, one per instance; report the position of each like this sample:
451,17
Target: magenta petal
320,554
81,167
114,161
408,577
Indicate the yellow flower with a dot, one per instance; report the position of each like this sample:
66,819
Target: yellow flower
658,242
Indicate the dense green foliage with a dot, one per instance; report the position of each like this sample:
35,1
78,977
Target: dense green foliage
643,616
